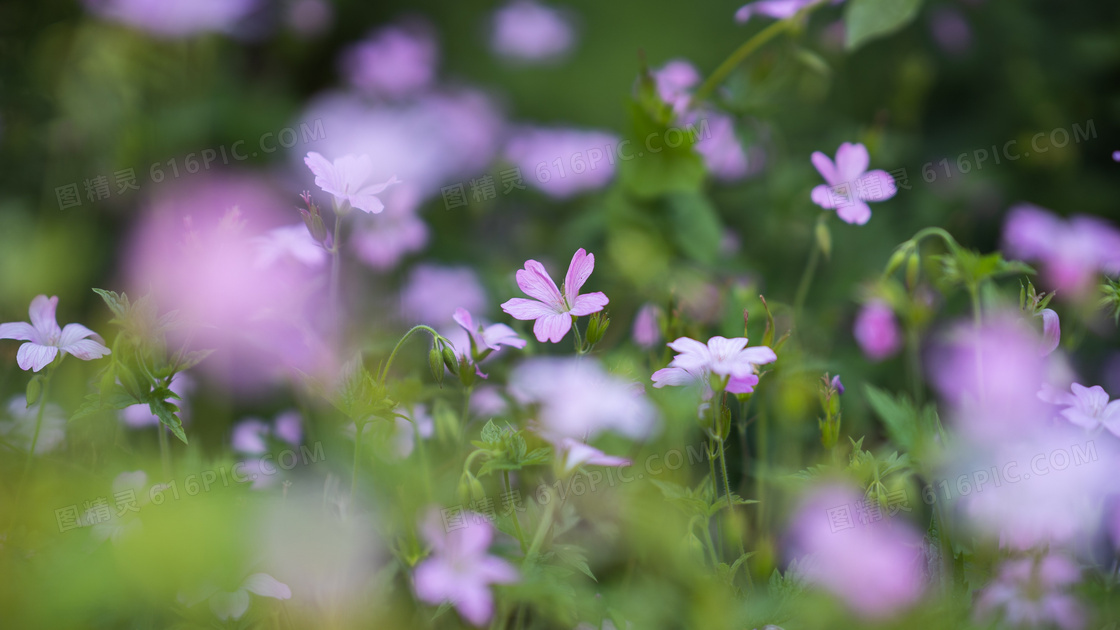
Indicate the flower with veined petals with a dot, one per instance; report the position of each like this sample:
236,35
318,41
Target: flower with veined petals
1086,407
553,310
460,570
726,358
45,339
347,178
485,339
849,184
1051,331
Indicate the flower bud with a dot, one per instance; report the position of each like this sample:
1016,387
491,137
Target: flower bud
597,327
913,268
451,360
314,220
466,372
435,361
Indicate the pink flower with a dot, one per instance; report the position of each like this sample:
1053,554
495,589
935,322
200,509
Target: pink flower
1071,252
876,568
729,359
552,310
849,184
778,9
1032,592
576,454
1086,407
395,62
432,294
460,569
876,331
646,332
289,242
563,162
382,240
488,338
528,31
348,180
45,340
1051,331
175,18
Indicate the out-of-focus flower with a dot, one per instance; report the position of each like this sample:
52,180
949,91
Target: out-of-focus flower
837,385
250,438
876,331
485,339
577,398
45,340
876,567
563,162
175,18
394,62
1033,593
713,131
1051,331
19,428
349,180
728,359
382,240
289,242
646,333
552,310
777,9
1116,156
528,31
950,30
460,569
1086,407
576,453
432,294
140,415
849,184
1071,251
422,424
233,605
308,18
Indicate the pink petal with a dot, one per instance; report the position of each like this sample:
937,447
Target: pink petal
851,161
580,453
248,436
826,168
552,327
536,283
352,171
20,331
265,585
434,580
497,335
759,355
1051,331
86,349
475,603
824,197
42,313
742,384
877,185
34,357
1029,231
672,376
325,176
856,213
367,203
463,317
374,189
589,303
520,308
472,540
289,427
493,570
579,270
74,333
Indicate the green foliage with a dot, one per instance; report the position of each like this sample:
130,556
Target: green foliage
867,20
505,449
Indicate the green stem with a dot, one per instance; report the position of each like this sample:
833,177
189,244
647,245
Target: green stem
38,424
164,451
806,278
516,521
913,349
385,371
359,429
575,332
542,530
466,416
739,55
715,485
336,264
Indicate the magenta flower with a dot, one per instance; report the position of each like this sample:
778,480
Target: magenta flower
1033,592
531,32
646,332
1071,252
460,569
485,339
849,184
45,340
553,310
876,331
729,359
348,180
576,454
1086,407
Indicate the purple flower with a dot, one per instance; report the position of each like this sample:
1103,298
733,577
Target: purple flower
1116,156
289,242
488,338
45,340
646,332
951,30
577,398
382,240
175,18
460,569
432,294
576,454
553,310
1086,407
348,179
1070,252
876,331
849,184
531,32
1051,331
563,162
395,62
308,18
728,359
837,385
249,435
778,9
1033,592
875,568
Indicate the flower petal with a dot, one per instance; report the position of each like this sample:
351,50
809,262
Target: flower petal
34,357
325,176
229,605
856,213
589,303
851,161
825,167
42,313
742,384
877,185
552,327
463,317
86,349
248,436
367,203
1051,331
352,172
495,336
822,195
579,270
523,309
265,585
74,333
758,355
536,283
435,581
20,331
474,602
673,376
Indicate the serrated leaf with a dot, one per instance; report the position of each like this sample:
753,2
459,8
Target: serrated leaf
166,411
491,433
574,557
117,303
115,399
866,20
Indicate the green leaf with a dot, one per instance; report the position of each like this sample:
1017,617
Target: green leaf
491,433
866,20
114,399
655,169
34,390
695,225
191,359
574,557
117,302
165,411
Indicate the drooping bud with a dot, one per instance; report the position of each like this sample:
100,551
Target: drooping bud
466,372
451,360
435,362
314,220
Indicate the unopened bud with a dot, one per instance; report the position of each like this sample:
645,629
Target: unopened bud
597,327
466,372
913,268
314,222
451,360
435,361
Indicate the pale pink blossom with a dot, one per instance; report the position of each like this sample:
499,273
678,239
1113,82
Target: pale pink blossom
1086,407
553,310
528,31
485,339
849,185
432,293
289,243
1051,331
394,62
646,333
563,163
1071,252
349,180
876,331
383,240
175,18
728,359
460,569
576,453
777,9
1034,593
46,341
